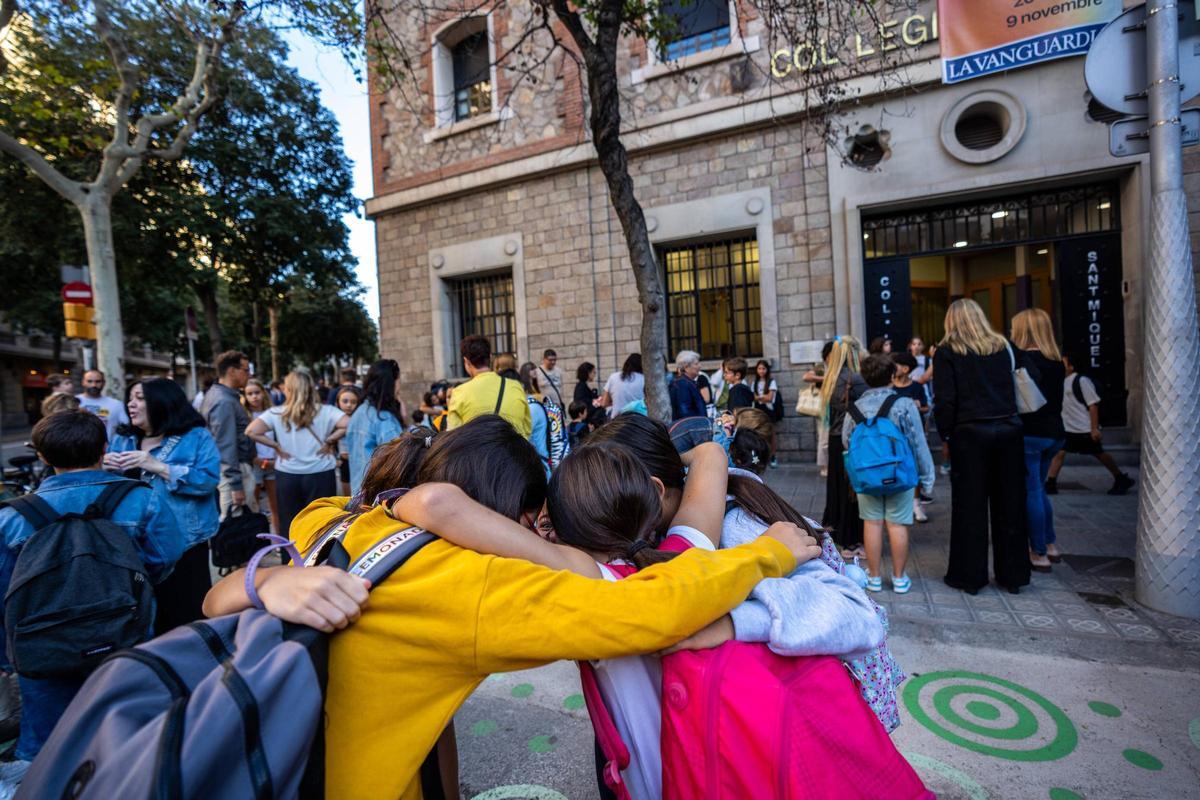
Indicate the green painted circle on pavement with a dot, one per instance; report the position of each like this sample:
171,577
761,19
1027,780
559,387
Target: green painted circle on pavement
1025,726
949,725
1058,793
523,791
1104,709
573,702
1194,732
541,744
484,727
1140,758
522,690
983,710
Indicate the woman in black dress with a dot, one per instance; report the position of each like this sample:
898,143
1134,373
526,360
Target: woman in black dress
976,413
841,509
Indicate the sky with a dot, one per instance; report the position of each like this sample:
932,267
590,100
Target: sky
347,99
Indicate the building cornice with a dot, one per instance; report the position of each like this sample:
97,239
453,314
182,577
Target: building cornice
694,122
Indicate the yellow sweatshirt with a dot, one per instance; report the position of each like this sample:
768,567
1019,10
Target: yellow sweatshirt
450,617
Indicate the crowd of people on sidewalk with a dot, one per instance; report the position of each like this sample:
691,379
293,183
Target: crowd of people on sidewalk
566,530
1006,413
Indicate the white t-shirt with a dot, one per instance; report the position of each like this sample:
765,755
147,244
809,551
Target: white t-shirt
303,444
1075,415
109,409
756,386
624,392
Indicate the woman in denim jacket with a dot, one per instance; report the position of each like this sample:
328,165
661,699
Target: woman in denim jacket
168,446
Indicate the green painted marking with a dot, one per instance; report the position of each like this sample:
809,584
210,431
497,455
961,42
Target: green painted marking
983,710
484,727
573,702
524,791
964,781
1025,726
1194,732
1104,709
522,690
541,744
1142,759
1065,737
1058,793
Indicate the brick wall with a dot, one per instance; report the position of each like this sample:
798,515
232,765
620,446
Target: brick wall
580,293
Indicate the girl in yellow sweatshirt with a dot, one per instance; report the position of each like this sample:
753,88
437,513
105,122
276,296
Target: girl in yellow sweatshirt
450,617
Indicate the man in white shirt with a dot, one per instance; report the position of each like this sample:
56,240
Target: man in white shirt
1081,421
551,379
94,401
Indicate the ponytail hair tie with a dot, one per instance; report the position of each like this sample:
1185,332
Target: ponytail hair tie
636,548
428,442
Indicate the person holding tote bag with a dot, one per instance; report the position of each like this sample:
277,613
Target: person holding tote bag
1043,429
304,433
976,414
841,387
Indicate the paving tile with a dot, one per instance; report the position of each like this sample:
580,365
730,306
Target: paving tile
1184,635
1041,621
1115,614
952,613
947,599
1018,603
1138,631
984,601
918,612
996,617
1090,626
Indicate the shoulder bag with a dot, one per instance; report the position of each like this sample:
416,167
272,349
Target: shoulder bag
1029,396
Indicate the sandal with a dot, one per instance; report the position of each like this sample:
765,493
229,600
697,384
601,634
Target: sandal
1053,554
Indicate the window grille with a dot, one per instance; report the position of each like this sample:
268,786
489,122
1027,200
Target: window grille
1007,221
484,306
713,304
699,25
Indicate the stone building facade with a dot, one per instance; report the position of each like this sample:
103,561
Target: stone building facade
997,188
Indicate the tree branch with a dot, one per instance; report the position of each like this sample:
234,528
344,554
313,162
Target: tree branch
69,189
127,72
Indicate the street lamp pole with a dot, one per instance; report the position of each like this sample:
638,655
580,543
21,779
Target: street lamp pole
1168,533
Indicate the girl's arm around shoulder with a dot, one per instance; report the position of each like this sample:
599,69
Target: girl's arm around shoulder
703,503
447,511
325,598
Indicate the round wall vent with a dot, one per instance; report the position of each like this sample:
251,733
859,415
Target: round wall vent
867,148
983,127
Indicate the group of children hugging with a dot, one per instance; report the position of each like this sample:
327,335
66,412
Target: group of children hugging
723,649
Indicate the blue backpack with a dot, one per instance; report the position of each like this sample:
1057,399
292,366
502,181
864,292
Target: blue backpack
879,460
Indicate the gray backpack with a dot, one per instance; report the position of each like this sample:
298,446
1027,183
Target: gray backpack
79,590
229,707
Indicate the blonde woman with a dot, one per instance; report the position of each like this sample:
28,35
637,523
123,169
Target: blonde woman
841,386
304,433
1043,430
976,414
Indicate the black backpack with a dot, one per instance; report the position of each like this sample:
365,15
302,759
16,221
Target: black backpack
79,589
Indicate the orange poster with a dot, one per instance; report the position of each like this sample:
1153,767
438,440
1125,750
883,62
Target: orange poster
980,37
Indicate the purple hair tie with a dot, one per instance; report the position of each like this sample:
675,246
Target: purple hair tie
276,543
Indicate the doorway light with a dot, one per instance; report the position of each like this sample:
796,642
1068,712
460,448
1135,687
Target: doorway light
866,236
1042,252
999,214
960,244
1105,205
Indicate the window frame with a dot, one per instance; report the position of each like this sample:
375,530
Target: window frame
656,66
746,323
443,83
458,286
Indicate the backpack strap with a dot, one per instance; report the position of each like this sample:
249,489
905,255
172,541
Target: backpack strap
616,753
856,413
886,408
500,397
36,511
106,504
1077,390
389,554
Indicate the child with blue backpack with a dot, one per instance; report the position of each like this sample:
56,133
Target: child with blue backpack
886,457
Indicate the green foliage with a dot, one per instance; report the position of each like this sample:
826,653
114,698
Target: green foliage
253,211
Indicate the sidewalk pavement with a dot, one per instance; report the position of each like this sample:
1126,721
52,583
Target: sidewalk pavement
1068,690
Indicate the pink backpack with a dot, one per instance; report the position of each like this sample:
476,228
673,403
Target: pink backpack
740,721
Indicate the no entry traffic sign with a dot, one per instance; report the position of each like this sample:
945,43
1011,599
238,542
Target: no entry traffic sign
77,292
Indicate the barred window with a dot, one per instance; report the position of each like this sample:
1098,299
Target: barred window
484,306
699,25
713,302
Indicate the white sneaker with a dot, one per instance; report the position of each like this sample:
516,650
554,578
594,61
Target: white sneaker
919,514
